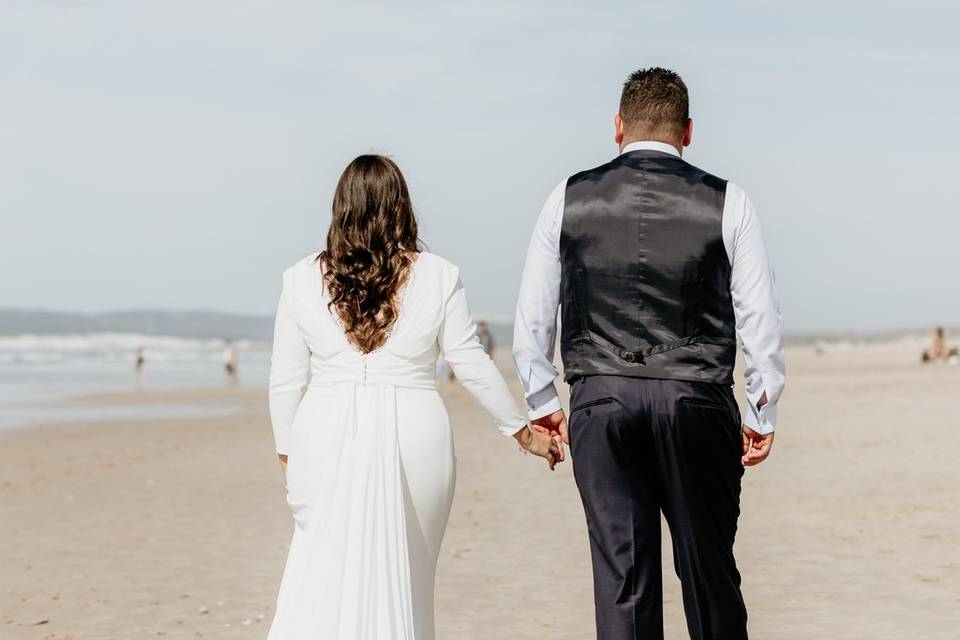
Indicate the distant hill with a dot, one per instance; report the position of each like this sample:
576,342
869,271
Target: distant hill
186,324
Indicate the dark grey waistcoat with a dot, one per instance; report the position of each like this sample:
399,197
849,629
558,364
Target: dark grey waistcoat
645,290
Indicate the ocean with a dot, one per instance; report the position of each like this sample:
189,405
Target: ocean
39,373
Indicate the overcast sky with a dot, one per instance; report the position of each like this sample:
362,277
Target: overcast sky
178,155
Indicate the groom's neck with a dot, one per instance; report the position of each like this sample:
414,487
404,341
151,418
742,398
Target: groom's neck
676,144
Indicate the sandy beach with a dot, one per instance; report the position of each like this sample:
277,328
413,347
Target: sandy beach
179,528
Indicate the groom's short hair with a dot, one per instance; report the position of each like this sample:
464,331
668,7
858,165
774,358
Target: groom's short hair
654,102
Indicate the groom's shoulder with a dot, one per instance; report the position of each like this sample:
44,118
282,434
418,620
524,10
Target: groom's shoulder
693,173
592,174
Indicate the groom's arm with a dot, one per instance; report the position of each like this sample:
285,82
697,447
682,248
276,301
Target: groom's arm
756,309
535,325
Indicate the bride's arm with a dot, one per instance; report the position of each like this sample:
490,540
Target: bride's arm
289,367
479,375
473,367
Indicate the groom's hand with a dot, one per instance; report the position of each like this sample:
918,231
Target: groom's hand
756,447
555,424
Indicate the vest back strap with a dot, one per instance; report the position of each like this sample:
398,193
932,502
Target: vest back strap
639,357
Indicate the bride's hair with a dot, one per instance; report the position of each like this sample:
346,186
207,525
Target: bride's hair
371,245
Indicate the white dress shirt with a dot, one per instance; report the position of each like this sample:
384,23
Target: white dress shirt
752,287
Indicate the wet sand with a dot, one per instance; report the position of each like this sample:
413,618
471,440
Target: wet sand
179,528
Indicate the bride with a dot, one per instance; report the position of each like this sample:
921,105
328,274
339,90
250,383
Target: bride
362,434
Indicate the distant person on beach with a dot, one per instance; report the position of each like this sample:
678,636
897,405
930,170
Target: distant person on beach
656,267
939,349
138,361
230,361
360,429
486,338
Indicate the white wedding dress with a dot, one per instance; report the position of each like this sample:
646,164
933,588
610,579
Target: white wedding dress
371,467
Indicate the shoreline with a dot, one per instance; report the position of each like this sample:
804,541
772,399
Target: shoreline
113,406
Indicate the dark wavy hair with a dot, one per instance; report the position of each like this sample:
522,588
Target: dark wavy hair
371,246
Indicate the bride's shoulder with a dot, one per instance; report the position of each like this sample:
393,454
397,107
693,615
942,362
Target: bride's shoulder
310,261
438,265
443,275
305,267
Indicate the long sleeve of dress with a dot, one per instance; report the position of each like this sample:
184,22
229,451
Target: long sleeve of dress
289,367
473,367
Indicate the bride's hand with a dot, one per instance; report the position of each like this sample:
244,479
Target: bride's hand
541,444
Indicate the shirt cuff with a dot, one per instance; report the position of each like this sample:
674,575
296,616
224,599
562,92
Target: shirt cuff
762,420
543,402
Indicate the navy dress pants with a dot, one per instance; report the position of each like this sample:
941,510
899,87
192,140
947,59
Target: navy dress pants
642,447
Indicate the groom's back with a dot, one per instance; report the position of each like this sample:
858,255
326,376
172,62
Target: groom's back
637,254
645,275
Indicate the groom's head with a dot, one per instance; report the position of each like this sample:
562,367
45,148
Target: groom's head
654,106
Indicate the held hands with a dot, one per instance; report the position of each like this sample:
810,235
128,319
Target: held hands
541,444
756,447
549,430
554,424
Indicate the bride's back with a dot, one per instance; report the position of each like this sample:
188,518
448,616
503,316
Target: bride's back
409,354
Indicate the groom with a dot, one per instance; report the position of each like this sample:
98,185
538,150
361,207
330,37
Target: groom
657,267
